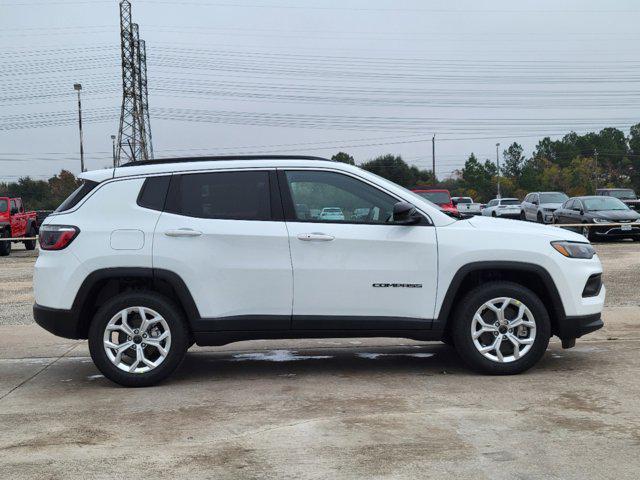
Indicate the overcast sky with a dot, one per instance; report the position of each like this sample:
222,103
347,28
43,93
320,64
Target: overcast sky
315,77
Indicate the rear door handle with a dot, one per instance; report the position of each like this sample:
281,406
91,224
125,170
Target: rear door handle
183,232
315,237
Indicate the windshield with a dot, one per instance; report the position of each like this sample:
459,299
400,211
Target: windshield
3,205
553,197
603,203
623,194
438,198
510,201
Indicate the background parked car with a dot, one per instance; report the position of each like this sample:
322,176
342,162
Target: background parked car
441,198
539,206
600,209
503,208
331,213
627,195
466,206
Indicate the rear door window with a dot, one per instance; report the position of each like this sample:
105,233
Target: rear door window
238,195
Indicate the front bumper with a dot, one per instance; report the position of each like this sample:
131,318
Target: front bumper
576,326
62,323
616,232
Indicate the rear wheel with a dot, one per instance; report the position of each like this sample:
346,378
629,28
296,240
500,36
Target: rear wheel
138,339
30,244
501,328
5,246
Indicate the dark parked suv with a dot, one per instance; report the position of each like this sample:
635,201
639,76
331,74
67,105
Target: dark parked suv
627,195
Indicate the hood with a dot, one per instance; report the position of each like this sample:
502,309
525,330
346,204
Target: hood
616,215
555,206
530,228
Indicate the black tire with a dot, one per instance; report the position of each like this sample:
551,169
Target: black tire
586,234
463,317
493,214
5,247
539,218
523,216
30,244
178,330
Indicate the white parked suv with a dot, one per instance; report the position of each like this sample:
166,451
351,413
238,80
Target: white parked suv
503,208
146,259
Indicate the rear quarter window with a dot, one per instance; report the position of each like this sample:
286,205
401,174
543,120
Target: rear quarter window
154,192
77,195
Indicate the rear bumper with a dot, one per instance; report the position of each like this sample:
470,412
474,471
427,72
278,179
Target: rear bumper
577,326
62,323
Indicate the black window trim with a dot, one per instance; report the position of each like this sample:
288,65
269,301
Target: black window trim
276,213
289,209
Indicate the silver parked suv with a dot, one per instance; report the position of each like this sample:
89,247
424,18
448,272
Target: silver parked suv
539,206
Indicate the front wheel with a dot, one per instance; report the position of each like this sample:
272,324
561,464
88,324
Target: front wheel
539,218
138,339
586,232
501,328
523,216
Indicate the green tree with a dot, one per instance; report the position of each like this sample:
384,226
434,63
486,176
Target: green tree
393,168
343,158
513,160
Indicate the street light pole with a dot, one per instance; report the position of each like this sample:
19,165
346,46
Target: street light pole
113,148
498,165
77,87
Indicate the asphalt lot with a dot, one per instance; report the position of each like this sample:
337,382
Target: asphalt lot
352,408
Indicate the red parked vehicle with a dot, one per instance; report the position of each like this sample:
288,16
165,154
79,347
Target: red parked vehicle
441,198
16,223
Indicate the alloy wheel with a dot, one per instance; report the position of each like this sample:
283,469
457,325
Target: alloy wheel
503,329
137,339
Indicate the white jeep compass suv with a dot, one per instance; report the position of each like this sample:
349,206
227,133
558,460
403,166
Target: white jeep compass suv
148,258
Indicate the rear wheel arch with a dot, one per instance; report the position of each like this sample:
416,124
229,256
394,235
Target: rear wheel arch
532,276
101,285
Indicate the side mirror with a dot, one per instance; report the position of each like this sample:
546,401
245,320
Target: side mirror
405,214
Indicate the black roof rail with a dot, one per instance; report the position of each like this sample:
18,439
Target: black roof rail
160,161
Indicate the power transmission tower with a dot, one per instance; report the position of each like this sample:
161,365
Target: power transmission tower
134,134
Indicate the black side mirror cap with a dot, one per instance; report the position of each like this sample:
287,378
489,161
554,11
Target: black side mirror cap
405,214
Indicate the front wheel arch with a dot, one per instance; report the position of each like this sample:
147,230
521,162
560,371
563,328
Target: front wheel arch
529,275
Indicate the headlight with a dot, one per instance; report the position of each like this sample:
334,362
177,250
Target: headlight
574,249
601,220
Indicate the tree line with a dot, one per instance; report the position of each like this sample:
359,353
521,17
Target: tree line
576,164
41,194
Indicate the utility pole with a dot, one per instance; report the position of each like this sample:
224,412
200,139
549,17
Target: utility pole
433,157
113,150
77,87
498,166
595,154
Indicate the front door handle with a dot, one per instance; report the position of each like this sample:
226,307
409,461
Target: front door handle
315,237
183,232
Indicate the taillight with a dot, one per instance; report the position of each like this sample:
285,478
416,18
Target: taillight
57,237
